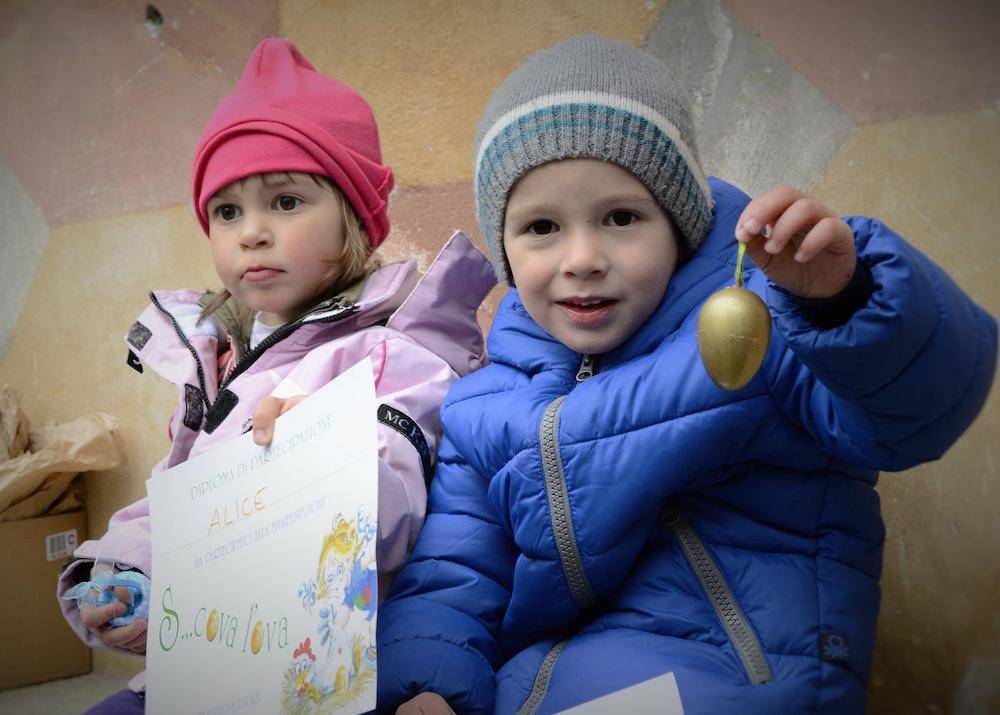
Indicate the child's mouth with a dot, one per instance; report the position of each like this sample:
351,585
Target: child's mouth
587,312
258,275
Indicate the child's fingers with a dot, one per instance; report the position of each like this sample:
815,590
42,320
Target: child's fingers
119,637
290,402
829,232
264,416
764,210
94,618
794,223
138,643
268,410
425,704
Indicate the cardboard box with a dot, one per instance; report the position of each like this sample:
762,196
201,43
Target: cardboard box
36,644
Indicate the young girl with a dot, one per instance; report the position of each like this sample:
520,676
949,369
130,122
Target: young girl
289,186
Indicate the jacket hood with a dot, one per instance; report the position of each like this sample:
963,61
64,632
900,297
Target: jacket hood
440,312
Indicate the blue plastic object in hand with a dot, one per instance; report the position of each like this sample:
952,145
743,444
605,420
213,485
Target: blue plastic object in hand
100,591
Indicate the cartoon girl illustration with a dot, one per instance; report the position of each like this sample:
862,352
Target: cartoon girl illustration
345,584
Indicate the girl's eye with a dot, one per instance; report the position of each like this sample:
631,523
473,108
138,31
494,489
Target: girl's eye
541,227
287,203
621,218
227,212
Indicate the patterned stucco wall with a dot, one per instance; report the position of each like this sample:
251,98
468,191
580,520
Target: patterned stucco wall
888,109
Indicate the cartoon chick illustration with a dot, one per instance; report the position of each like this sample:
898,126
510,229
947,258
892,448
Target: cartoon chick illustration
303,662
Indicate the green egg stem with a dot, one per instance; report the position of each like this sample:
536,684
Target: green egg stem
742,251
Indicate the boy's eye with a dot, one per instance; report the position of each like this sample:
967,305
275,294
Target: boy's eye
227,212
621,218
286,202
541,227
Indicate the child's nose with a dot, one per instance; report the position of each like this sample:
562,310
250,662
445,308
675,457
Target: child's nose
584,253
256,231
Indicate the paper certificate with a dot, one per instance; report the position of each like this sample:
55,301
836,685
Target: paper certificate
656,696
264,582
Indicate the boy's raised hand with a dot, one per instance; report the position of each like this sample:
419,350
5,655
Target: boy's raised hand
799,243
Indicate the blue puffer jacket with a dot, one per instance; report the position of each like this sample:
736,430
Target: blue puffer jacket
586,536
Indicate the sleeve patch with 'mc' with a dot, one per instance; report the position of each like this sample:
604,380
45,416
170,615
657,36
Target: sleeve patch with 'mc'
408,427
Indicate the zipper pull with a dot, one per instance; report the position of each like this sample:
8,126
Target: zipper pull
587,368
670,517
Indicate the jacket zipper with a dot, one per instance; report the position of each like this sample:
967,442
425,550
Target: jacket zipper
541,685
731,616
559,511
276,337
562,527
558,496
588,367
189,346
251,357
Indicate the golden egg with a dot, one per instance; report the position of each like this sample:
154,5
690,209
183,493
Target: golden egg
340,680
257,637
212,627
734,331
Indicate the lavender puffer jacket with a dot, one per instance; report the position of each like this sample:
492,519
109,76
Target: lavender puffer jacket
421,334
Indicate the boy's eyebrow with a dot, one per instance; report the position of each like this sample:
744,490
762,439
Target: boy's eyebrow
632,198
544,206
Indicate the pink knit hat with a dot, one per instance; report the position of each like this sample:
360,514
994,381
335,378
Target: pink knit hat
285,116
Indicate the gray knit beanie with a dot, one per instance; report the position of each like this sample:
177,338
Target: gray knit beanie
590,97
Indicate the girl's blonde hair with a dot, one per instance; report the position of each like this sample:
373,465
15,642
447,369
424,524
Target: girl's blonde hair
344,272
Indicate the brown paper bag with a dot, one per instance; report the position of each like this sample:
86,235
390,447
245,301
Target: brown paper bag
13,425
39,501
83,445
71,500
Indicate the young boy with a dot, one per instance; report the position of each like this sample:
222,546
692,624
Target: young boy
602,512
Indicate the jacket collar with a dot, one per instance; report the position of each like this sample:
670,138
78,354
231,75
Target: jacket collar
436,309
